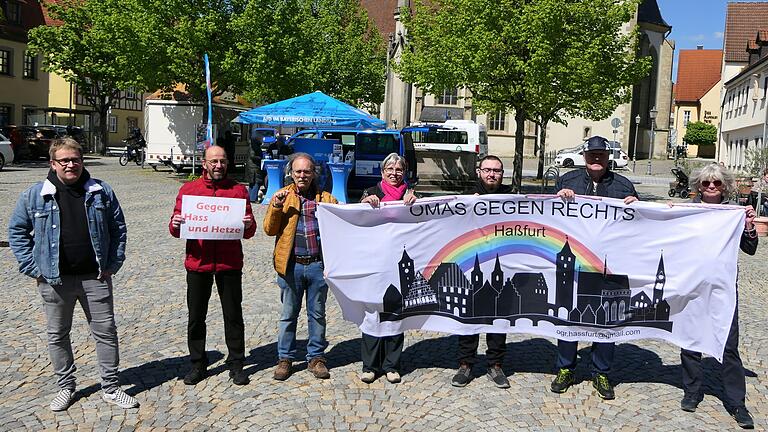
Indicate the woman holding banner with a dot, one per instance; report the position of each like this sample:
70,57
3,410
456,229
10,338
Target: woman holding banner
381,355
715,184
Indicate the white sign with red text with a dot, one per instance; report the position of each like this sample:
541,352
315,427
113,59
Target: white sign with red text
212,218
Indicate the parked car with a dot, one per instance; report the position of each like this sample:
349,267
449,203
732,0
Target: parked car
574,156
33,142
6,152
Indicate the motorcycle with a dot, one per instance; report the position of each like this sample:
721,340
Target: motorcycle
135,146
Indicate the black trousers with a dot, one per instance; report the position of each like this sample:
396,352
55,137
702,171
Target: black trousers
734,383
381,354
497,347
229,286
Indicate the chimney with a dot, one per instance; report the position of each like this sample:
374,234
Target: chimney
699,47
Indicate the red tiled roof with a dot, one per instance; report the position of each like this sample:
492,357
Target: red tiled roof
697,71
742,22
382,13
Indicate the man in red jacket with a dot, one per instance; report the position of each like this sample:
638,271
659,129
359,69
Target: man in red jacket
214,259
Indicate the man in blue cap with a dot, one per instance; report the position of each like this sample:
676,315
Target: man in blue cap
595,180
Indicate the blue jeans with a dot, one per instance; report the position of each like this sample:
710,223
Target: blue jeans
298,280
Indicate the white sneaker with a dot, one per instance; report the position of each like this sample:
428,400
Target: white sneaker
367,377
63,400
120,398
393,377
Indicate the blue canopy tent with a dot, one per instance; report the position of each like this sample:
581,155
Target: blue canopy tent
311,110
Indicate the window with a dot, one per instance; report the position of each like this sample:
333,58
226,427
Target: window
6,115
30,66
13,13
449,97
131,123
498,121
5,61
112,124
686,118
765,87
130,93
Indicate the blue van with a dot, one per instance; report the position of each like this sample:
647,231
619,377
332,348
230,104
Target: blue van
370,147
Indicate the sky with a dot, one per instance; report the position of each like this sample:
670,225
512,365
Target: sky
694,22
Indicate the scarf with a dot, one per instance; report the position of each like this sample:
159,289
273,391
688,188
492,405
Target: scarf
393,193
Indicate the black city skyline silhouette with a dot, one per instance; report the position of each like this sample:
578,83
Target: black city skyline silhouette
601,300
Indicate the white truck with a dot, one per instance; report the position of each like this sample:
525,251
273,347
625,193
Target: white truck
171,132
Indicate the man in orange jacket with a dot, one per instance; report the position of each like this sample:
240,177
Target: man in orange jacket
299,264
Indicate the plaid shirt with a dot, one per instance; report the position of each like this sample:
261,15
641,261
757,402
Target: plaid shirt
307,240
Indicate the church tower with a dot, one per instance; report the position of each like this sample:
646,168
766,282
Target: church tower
658,286
566,262
407,274
477,275
497,277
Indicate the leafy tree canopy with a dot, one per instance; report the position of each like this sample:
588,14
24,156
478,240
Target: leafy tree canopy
700,133
542,59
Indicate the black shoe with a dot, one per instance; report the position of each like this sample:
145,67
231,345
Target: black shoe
463,376
562,381
496,375
237,374
195,375
603,386
742,417
689,403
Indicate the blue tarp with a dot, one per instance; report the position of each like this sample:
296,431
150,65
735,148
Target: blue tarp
311,110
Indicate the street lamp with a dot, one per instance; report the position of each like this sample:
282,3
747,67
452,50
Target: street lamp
634,149
652,116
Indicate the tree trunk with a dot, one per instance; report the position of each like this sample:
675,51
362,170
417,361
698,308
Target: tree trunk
542,147
103,127
517,180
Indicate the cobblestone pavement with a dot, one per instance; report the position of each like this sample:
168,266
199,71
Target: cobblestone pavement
151,317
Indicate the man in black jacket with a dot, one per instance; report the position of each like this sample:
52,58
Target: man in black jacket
490,175
596,180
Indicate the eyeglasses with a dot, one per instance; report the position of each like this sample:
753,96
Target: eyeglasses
716,183
393,170
64,162
491,170
217,162
305,172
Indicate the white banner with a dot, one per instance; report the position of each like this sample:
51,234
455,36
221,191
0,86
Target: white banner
592,269
212,218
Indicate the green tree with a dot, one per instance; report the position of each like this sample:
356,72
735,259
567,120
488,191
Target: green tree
95,47
541,58
581,64
296,47
700,133
180,32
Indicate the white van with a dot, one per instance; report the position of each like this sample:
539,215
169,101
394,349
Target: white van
171,131
453,135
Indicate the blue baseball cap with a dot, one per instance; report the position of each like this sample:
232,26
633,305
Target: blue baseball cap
596,143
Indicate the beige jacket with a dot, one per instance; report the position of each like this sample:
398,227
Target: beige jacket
281,222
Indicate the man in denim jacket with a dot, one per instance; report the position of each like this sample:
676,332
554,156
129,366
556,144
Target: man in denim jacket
68,233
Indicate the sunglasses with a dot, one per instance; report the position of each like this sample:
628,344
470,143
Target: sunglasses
716,183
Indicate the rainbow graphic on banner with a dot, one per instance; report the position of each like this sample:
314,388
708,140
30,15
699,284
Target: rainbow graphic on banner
486,245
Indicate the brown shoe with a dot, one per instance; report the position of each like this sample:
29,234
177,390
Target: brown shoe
318,369
283,370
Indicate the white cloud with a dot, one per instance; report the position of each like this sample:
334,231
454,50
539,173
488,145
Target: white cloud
718,35
697,38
